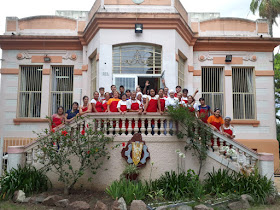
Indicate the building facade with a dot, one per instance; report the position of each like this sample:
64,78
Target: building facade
49,61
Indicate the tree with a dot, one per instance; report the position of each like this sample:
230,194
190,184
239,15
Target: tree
69,152
269,9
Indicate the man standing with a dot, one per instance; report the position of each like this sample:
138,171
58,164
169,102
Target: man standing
113,89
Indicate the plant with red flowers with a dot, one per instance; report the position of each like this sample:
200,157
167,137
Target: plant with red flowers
87,147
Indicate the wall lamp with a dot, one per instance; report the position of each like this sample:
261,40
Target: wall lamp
228,58
138,28
47,59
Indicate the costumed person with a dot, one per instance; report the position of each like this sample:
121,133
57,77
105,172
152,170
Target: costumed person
96,103
227,128
72,113
178,90
216,121
191,105
104,103
86,108
204,110
161,101
152,103
58,118
134,104
113,103
102,95
185,95
180,101
128,94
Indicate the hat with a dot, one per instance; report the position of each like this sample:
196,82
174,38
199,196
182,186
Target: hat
139,93
145,96
171,91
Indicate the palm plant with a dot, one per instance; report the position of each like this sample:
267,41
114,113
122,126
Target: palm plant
269,9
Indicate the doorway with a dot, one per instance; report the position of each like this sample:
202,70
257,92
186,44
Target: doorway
154,83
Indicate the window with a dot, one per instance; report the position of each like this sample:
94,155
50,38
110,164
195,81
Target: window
137,59
62,87
93,74
181,72
243,88
30,91
213,87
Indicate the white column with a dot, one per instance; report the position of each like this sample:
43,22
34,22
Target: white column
46,87
16,156
266,165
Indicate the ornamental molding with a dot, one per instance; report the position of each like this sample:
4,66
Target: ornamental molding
66,55
210,55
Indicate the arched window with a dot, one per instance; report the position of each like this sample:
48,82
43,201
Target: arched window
137,59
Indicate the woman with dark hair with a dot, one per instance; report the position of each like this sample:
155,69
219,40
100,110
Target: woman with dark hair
113,103
58,118
96,103
216,121
191,105
204,110
71,113
86,108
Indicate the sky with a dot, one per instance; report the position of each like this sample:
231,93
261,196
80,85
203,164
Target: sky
21,9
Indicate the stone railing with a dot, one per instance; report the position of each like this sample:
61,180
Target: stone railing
227,151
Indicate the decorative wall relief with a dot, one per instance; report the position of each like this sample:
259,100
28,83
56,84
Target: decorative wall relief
136,151
23,55
69,56
204,57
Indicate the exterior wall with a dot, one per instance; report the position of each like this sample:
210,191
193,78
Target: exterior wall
9,89
162,154
109,38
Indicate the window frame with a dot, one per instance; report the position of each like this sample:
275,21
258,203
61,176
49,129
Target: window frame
139,44
19,92
181,63
253,92
51,88
223,109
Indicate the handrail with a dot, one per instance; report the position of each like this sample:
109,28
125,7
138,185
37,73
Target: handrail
153,124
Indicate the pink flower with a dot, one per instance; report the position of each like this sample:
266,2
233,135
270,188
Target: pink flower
52,130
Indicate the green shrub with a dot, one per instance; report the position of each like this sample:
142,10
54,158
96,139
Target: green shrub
178,186
226,182
28,179
129,190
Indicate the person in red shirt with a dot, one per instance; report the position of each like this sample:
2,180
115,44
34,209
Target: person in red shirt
58,118
113,102
204,110
178,90
101,92
104,102
161,101
134,104
228,129
152,103
96,103
86,108
123,105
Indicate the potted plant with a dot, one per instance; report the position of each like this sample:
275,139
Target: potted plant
131,172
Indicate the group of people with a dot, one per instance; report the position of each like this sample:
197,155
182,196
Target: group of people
143,102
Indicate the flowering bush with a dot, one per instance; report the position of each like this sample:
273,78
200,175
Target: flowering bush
59,150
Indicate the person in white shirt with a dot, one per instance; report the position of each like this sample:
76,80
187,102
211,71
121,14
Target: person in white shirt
227,129
171,100
123,105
